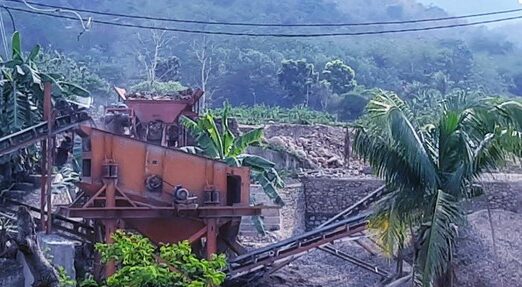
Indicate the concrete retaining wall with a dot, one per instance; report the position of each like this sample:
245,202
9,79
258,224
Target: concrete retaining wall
287,220
271,217
325,197
282,159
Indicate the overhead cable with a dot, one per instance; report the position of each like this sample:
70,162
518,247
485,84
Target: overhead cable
86,24
276,35
398,22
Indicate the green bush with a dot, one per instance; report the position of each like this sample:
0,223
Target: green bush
141,264
170,87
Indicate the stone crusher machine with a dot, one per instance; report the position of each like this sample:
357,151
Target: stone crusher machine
153,118
170,196
163,193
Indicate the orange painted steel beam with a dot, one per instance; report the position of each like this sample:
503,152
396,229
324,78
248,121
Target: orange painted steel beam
159,212
198,234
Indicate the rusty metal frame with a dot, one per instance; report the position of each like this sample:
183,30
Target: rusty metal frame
191,110
354,260
160,211
47,162
294,250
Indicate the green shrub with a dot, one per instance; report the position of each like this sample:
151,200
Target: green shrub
141,264
170,87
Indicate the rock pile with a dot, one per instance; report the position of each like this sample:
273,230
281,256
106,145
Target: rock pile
181,95
322,146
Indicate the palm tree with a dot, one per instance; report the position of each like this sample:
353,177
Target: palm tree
428,170
220,143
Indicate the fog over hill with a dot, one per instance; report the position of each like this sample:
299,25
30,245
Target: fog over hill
245,70
473,6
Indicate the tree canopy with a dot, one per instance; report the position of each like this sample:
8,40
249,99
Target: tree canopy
429,169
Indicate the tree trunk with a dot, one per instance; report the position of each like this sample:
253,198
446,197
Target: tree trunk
347,148
43,272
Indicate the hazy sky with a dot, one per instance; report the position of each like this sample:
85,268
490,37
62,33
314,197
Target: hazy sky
473,6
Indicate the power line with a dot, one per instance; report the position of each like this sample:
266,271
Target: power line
249,34
13,25
85,26
270,24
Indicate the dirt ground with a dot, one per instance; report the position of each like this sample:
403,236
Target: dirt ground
480,263
476,262
321,269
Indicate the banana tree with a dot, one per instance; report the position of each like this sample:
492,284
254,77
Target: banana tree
220,143
21,101
430,169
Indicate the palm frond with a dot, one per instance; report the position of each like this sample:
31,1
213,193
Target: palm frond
389,226
394,122
511,111
255,162
268,185
208,125
385,161
257,220
436,238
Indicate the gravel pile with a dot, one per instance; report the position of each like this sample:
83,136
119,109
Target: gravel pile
477,262
339,173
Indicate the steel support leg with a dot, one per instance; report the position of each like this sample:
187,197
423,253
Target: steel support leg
211,237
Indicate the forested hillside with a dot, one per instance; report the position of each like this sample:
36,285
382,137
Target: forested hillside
288,71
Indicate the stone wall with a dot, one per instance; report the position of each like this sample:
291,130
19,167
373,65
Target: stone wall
325,197
318,198
271,217
293,213
287,221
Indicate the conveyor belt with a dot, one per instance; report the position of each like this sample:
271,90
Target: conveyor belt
271,258
275,253
64,226
38,132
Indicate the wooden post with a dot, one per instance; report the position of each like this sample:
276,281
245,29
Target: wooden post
347,148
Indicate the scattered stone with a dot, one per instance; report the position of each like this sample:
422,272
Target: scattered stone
367,170
323,146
